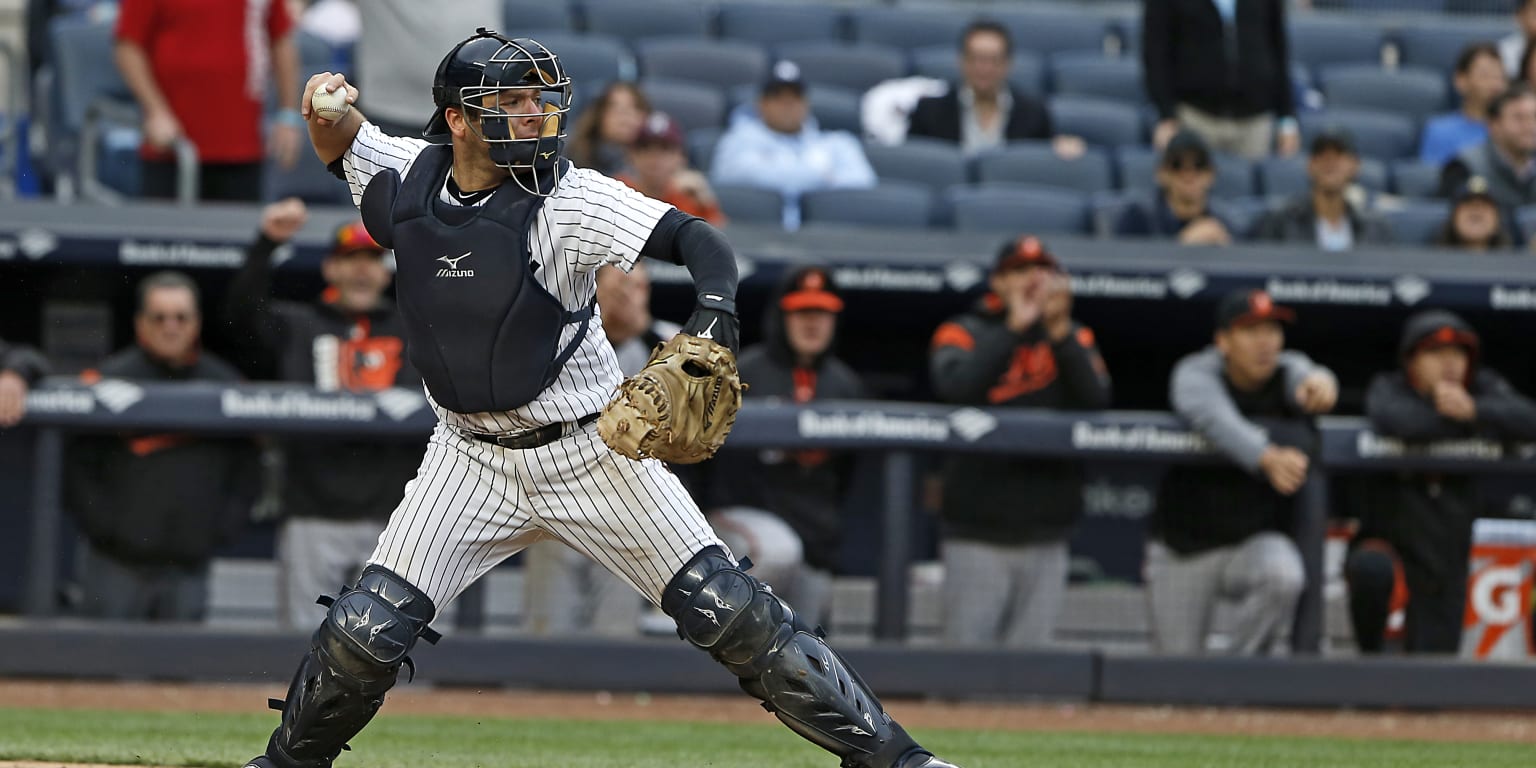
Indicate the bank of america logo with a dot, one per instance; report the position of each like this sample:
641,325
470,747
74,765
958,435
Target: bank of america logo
972,423
1411,289
399,403
117,395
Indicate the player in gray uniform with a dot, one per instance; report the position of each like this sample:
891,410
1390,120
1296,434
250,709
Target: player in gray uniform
497,240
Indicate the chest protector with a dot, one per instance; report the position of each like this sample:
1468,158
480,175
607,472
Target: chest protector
478,326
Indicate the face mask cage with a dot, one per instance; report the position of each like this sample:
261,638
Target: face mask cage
522,67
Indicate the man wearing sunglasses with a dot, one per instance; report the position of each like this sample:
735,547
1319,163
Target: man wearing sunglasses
1181,207
154,506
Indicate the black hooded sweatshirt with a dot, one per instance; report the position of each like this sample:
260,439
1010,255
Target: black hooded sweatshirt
977,360
805,488
1427,516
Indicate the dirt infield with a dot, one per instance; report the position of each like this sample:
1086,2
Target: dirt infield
916,714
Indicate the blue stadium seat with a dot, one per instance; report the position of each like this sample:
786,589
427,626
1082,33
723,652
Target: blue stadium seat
692,105
1091,74
906,29
772,24
1321,42
701,147
941,61
1013,208
540,15
720,63
1035,163
85,74
750,205
857,67
1048,32
1411,178
1435,45
1399,6
629,20
835,109
935,163
1525,221
1100,122
591,59
1243,213
1417,93
1287,176
1382,135
307,180
891,205
1126,32
1417,221
1138,172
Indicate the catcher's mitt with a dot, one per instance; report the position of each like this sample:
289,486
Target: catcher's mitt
679,407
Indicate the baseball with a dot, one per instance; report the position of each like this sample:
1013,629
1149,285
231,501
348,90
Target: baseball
331,105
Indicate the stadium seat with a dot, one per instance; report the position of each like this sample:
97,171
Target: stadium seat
1126,32
772,24
1243,213
941,61
1138,172
316,55
307,180
1435,45
906,29
750,205
835,109
1050,32
1417,93
539,15
1417,221
1525,221
1035,163
701,147
1399,6
1382,135
1318,43
591,58
628,20
935,163
1100,122
692,105
85,74
721,63
891,205
1287,176
1091,74
1411,178
856,67
1016,208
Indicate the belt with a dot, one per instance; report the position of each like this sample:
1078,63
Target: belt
532,438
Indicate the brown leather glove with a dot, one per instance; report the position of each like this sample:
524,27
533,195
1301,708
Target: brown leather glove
679,407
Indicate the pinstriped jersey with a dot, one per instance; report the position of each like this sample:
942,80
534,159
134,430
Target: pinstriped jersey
590,220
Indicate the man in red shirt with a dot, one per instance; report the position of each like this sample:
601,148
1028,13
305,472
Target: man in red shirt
201,70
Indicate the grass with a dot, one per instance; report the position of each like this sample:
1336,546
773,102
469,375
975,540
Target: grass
211,740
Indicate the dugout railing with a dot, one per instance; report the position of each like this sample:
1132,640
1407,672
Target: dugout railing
897,431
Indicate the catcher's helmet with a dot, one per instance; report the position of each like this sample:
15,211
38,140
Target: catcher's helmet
487,64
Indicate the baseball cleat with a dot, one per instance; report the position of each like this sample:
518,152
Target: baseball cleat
927,761
260,761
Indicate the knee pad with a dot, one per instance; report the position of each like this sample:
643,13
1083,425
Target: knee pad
371,627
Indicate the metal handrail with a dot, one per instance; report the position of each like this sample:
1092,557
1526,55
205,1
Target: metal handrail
110,111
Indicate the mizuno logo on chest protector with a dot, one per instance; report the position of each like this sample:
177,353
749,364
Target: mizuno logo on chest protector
452,270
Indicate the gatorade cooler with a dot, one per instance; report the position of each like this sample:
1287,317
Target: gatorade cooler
1497,622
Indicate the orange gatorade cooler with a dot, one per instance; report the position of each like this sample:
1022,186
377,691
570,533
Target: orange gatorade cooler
1497,622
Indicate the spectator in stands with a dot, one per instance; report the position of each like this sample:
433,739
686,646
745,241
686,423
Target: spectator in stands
1479,79
1324,216
1221,69
1474,222
780,149
1181,208
659,168
336,493
154,507
202,72
1223,531
1512,46
20,368
984,111
1506,161
784,509
1420,523
1007,519
398,49
564,591
606,130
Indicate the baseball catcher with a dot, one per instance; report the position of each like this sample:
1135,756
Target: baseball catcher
680,407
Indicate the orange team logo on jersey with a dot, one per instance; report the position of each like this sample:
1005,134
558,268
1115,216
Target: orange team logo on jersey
1032,369
368,364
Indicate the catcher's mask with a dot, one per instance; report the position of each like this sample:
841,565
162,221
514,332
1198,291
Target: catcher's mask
487,64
